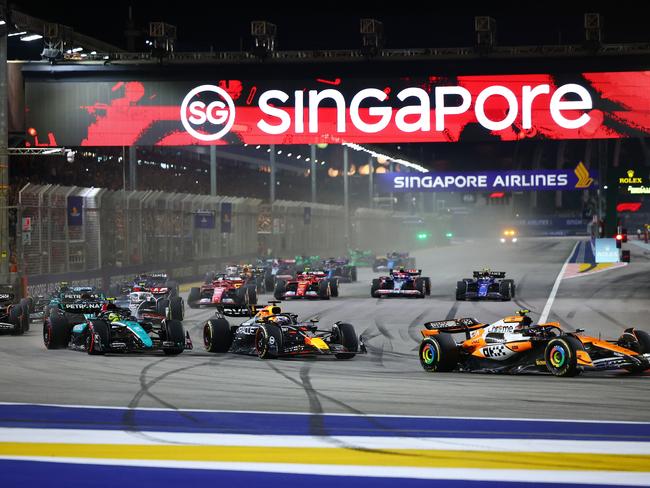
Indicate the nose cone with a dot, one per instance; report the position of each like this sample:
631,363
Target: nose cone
317,342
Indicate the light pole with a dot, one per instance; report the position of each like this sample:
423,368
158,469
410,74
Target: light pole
312,156
4,157
346,196
370,183
213,171
272,175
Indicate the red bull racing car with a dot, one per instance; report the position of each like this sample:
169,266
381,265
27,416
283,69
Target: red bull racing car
272,333
516,345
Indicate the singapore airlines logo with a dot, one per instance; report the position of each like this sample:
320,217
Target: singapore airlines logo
584,178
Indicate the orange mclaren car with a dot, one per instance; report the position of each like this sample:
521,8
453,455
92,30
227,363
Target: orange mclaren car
516,345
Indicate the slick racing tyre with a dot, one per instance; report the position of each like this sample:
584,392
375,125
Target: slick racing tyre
643,339
194,297
427,285
640,343
376,284
506,291
217,336
345,335
252,295
268,341
162,304
280,289
243,296
29,303
25,318
512,287
324,290
334,287
17,317
461,289
97,338
439,353
175,333
269,281
176,308
56,331
561,356
172,286
421,286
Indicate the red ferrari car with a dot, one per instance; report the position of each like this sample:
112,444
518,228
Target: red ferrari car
309,284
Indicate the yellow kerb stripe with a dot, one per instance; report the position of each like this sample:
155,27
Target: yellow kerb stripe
340,456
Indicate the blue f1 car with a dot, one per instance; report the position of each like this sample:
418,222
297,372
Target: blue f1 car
486,285
409,283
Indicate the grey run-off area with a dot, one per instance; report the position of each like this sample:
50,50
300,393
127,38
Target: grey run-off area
389,379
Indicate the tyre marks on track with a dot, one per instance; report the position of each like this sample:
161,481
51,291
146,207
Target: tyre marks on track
129,420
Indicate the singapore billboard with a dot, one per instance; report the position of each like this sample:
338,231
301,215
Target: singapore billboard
426,109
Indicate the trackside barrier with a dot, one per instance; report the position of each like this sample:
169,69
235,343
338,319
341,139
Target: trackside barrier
119,233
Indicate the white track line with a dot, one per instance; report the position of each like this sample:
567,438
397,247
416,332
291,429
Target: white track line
433,444
556,285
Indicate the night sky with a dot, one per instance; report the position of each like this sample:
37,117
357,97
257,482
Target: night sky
226,26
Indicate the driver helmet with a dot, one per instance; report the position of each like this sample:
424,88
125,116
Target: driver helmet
113,317
232,270
485,272
280,320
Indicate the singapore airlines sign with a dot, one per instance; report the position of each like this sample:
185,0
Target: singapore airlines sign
578,178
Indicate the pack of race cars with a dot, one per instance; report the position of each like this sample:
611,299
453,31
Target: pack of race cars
146,314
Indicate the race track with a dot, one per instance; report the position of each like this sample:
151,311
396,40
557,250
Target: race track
389,379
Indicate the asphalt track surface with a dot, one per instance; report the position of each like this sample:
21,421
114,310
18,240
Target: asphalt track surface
389,379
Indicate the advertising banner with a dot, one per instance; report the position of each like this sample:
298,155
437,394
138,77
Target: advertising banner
75,211
606,250
204,220
226,218
578,178
284,111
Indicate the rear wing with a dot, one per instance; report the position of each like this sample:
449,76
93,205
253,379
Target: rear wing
493,274
412,272
6,296
452,326
78,296
83,307
154,275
